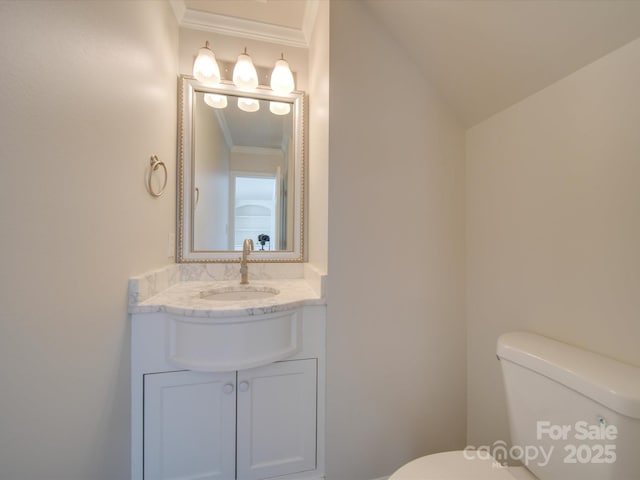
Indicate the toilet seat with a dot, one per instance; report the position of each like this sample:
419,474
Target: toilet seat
458,465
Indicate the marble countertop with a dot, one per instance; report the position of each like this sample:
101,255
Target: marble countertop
184,299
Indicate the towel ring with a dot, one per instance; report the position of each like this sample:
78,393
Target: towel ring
155,164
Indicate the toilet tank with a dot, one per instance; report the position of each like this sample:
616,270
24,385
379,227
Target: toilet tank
574,414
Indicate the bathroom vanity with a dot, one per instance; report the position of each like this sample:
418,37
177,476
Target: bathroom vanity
227,380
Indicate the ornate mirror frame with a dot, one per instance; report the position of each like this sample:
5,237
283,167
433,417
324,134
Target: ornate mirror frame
185,252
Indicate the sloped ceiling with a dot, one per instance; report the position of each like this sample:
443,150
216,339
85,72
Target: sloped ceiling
485,55
481,55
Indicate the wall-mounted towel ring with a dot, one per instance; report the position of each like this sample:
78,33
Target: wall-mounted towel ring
155,164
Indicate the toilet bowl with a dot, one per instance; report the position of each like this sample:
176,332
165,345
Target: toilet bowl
551,387
459,465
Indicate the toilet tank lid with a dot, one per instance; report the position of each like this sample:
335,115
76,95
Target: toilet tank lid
614,384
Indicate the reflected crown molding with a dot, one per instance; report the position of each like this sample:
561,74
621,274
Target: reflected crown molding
243,28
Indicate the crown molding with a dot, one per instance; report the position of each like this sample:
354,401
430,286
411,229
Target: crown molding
240,27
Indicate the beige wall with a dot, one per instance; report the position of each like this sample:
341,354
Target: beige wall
553,225
318,140
257,160
88,94
211,175
395,321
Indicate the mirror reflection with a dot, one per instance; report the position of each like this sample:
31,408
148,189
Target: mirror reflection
240,173
241,165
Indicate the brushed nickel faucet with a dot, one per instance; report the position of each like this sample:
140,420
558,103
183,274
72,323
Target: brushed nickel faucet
247,247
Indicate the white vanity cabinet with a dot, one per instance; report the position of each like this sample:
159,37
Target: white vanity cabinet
190,423
250,424
276,419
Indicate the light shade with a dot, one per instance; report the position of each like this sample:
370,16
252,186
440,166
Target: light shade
214,100
248,104
279,108
205,68
282,78
244,73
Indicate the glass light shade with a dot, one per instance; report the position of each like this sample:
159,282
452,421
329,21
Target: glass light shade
244,73
248,104
282,78
214,100
279,108
205,68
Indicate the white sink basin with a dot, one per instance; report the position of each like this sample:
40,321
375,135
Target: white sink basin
233,343
239,293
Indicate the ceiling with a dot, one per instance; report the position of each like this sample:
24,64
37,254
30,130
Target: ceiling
286,22
481,55
257,129
286,13
485,55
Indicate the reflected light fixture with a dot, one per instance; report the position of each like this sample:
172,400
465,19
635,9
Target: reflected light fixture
244,73
279,108
281,77
248,104
214,100
205,67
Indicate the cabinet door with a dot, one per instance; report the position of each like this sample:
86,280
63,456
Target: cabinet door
277,419
189,426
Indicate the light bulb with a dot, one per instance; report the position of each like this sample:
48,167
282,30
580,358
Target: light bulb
282,78
244,73
214,100
205,68
279,108
248,104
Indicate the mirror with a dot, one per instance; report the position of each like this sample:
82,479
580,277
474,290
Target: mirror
240,173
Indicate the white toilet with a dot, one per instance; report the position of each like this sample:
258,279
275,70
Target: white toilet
574,415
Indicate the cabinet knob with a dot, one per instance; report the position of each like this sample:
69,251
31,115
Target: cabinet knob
244,386
228,388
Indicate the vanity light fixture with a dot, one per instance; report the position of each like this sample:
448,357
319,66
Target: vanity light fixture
279,108
214,100
248,104
244,73
205,68
281,77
